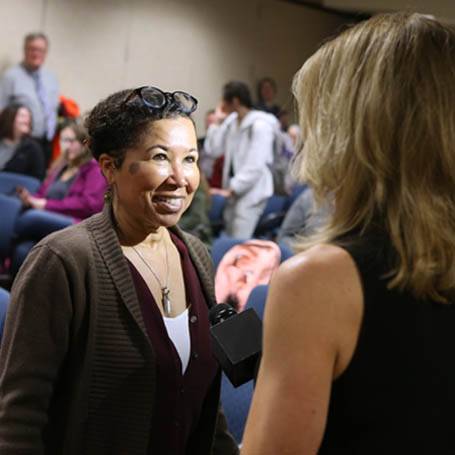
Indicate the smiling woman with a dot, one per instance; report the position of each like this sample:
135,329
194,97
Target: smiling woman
124,363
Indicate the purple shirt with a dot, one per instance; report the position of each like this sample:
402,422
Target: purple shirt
179,398
85,196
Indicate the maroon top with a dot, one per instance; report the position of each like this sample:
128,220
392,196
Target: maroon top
179,399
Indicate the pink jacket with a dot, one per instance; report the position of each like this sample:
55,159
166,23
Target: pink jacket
85,196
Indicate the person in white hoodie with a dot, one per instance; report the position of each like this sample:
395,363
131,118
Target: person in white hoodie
246,138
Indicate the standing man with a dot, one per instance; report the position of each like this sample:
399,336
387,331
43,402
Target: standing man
30,84
246,137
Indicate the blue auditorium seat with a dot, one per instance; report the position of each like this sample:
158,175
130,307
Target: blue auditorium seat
295,193
286,252
257,298
9,181
4,301
237,401
10,208
218,202
236,404
221,246
272,217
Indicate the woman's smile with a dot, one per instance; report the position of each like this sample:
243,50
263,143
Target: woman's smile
168,203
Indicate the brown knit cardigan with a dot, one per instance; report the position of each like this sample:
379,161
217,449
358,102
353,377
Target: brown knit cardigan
77,370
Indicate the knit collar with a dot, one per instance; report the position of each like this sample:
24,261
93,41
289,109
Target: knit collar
102,227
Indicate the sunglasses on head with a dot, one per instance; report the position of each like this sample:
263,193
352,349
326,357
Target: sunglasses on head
155,99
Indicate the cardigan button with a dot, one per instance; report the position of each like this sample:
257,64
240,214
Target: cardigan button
195,355
193,319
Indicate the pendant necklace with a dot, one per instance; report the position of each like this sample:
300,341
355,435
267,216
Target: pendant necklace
165,301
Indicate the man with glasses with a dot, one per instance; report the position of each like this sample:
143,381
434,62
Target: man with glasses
30,84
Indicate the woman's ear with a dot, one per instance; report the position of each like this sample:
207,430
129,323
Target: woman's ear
107,165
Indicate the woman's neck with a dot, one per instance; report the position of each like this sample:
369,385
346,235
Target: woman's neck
72,166
132,233
77,162
155,238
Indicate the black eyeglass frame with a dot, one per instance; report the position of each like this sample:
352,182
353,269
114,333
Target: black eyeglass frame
167,98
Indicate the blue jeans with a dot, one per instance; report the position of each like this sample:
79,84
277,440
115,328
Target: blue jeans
35,224
31,226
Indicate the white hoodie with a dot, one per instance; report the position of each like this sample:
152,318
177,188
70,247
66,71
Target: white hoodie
248,148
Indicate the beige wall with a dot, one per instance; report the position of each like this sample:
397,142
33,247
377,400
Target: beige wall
99,46
442,9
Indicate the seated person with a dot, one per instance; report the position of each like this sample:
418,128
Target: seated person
195,220
75,188
18,152
73,191
303,218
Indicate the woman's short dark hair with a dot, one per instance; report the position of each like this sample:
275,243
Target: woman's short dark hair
7,118
119,122
239,90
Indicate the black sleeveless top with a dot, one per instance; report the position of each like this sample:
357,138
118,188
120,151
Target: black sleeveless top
397,395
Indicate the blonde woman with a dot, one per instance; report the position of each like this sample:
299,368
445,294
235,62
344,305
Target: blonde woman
360,326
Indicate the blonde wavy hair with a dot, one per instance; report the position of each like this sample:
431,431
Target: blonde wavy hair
377,112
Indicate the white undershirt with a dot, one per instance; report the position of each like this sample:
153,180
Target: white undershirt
179,333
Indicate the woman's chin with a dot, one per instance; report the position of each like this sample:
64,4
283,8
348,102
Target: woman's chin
167,219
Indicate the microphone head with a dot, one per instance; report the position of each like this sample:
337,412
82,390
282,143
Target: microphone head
220,313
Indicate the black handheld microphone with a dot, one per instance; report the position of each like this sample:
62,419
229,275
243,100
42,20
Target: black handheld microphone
237,341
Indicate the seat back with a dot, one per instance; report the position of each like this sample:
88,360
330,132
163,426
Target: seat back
237,401
9,181
218,202
9,209
275,204
220,247
296,192
286,252
19,254
236,404
257,298
271,217
4,301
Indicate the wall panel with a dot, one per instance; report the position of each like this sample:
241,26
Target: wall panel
99,46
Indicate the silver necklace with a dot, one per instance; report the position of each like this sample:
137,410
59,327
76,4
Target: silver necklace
165,301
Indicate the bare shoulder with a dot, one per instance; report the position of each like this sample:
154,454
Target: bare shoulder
326,269
318,292
309,337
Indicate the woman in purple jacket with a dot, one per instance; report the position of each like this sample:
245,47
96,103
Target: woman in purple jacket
73,191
